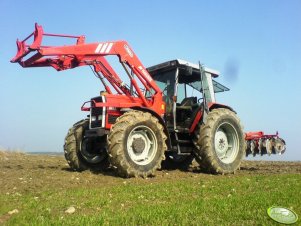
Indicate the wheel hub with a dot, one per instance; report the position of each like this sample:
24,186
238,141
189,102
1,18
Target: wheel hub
226,143
221,142
138,145
142,145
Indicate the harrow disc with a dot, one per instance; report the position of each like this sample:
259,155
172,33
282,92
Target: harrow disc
279,146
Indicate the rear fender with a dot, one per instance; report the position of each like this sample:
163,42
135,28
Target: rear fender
199,115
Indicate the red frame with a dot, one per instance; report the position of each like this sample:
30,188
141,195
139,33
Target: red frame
81,54
259,135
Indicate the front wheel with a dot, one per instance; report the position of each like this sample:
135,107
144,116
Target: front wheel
136,144
84,153
220,142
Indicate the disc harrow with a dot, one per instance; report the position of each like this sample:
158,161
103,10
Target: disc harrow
258,143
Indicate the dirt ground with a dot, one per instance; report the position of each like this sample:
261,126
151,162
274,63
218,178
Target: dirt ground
23,173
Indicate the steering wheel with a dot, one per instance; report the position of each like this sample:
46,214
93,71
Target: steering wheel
199,100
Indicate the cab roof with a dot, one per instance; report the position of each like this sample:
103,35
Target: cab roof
178,63
185,66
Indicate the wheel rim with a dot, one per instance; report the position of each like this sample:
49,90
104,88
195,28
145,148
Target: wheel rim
142,145
92,153
226,143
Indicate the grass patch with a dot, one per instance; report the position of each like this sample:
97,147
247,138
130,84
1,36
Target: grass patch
216,200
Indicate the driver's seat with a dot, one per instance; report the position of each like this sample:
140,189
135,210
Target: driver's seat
185,110
187,103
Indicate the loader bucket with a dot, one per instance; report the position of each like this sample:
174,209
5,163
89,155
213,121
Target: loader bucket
23,49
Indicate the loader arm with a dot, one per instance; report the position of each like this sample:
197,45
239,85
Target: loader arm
82,54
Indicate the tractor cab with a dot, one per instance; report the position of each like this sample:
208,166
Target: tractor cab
186,89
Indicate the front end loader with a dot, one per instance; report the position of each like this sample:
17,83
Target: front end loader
167,114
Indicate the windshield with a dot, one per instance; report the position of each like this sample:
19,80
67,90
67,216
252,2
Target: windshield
196,85
166,82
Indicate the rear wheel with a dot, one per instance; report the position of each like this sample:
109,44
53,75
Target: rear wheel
136,144
220,142
84,153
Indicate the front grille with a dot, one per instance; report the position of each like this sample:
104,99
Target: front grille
96,120
96,116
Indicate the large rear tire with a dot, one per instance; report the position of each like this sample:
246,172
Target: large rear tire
220,142
136,144
84,153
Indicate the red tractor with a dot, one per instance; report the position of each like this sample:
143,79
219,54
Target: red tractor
166,112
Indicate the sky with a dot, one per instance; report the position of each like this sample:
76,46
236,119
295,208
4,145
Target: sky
256,45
